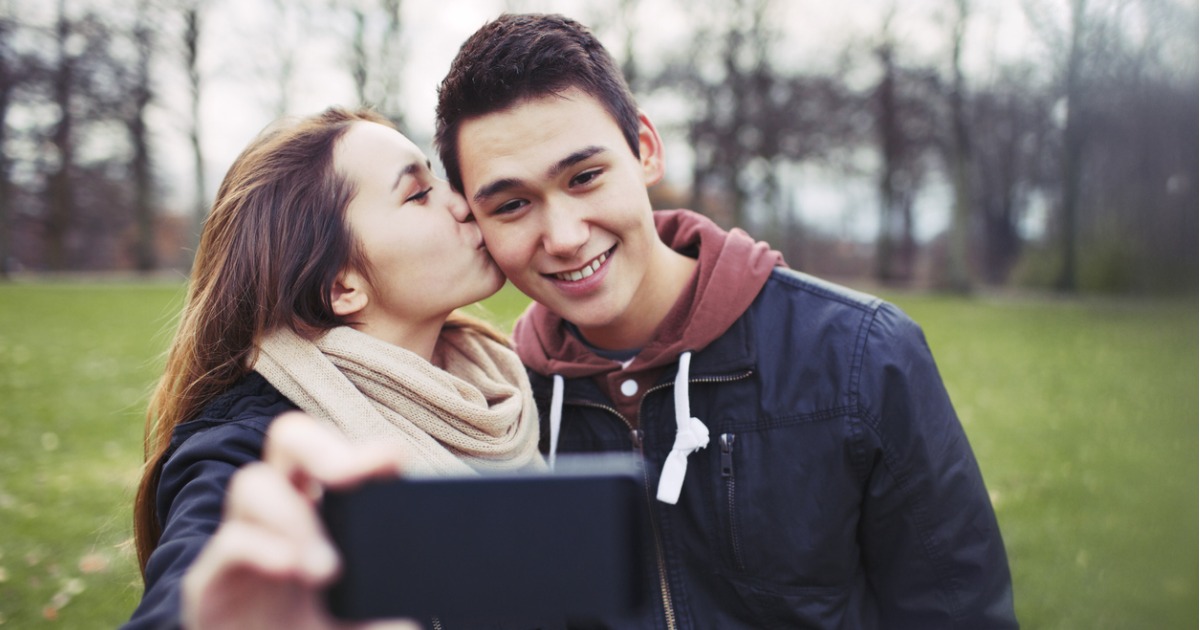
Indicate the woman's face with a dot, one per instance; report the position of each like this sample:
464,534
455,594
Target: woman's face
425,257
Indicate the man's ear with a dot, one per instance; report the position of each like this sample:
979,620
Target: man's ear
650,150
348,295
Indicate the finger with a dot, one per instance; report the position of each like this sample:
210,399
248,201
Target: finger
260,496
306,450
243,563
242,546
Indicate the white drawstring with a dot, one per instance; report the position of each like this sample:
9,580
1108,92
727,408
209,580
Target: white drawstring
690,433
556,404
690,436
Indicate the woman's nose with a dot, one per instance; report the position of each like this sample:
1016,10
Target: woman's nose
457,205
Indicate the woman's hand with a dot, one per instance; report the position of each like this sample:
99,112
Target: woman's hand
270,559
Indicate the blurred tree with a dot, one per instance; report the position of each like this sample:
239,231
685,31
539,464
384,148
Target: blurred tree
1137,215
629,63
11,75
376,54
192,13
1093,123
728,129
1014,155
957,274
1072,151
906,109
138,81
747,116
60,186
78,121
1127,103
285,41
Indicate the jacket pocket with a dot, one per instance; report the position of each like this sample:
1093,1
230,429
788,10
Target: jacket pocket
829,607
784,505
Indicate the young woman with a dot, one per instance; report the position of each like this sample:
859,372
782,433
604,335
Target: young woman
326,280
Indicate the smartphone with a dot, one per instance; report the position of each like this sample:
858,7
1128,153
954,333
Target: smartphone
496,547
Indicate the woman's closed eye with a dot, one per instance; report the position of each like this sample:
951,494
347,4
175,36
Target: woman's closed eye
419,196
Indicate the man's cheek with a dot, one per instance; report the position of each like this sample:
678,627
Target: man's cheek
508,266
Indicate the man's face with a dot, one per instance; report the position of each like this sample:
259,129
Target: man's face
562,203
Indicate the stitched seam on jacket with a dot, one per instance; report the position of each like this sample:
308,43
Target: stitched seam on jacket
936,558
767,421
810,284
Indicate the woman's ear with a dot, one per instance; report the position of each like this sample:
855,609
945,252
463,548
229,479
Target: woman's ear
349,295
650,150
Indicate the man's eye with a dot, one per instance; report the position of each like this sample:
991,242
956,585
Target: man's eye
585,177
419,196
509,207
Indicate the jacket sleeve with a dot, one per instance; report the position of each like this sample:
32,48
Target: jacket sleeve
929,537
191,493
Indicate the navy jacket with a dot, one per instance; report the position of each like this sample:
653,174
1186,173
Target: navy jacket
204,454
838,489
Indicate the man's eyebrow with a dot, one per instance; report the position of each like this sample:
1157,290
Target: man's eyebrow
494,188
500,185
572,160
409,170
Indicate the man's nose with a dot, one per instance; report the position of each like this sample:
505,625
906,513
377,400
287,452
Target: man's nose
565,231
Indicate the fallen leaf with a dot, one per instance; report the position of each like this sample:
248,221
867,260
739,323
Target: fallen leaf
93,563
73,587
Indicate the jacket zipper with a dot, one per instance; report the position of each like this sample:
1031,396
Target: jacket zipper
726,441
664,588
636,436
703,379
668,607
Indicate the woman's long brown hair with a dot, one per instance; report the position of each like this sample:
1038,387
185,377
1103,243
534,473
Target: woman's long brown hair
270,251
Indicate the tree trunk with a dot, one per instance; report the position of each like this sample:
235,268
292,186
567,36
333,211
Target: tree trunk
957,276
891,146
145,256
61,196
7,80
191,42
1072,163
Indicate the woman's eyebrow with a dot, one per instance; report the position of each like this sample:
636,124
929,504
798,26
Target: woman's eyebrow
409,170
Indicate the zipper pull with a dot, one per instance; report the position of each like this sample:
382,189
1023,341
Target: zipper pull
727,454
635,436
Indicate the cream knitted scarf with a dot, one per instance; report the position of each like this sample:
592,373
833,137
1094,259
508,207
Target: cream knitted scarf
476,414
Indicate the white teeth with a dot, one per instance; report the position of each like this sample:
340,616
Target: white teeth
587,270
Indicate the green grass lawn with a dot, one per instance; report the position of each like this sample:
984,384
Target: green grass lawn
1083,415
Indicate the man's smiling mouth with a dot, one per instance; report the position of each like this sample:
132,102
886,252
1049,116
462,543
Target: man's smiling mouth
584,271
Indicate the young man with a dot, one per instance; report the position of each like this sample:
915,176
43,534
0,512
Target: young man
805,466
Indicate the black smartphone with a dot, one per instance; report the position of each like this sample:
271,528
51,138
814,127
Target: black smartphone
496,547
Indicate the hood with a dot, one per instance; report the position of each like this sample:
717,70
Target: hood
732,269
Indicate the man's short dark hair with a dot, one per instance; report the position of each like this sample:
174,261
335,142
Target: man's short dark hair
519,57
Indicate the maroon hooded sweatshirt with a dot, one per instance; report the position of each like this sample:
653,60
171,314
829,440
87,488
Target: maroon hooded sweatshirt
732,269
